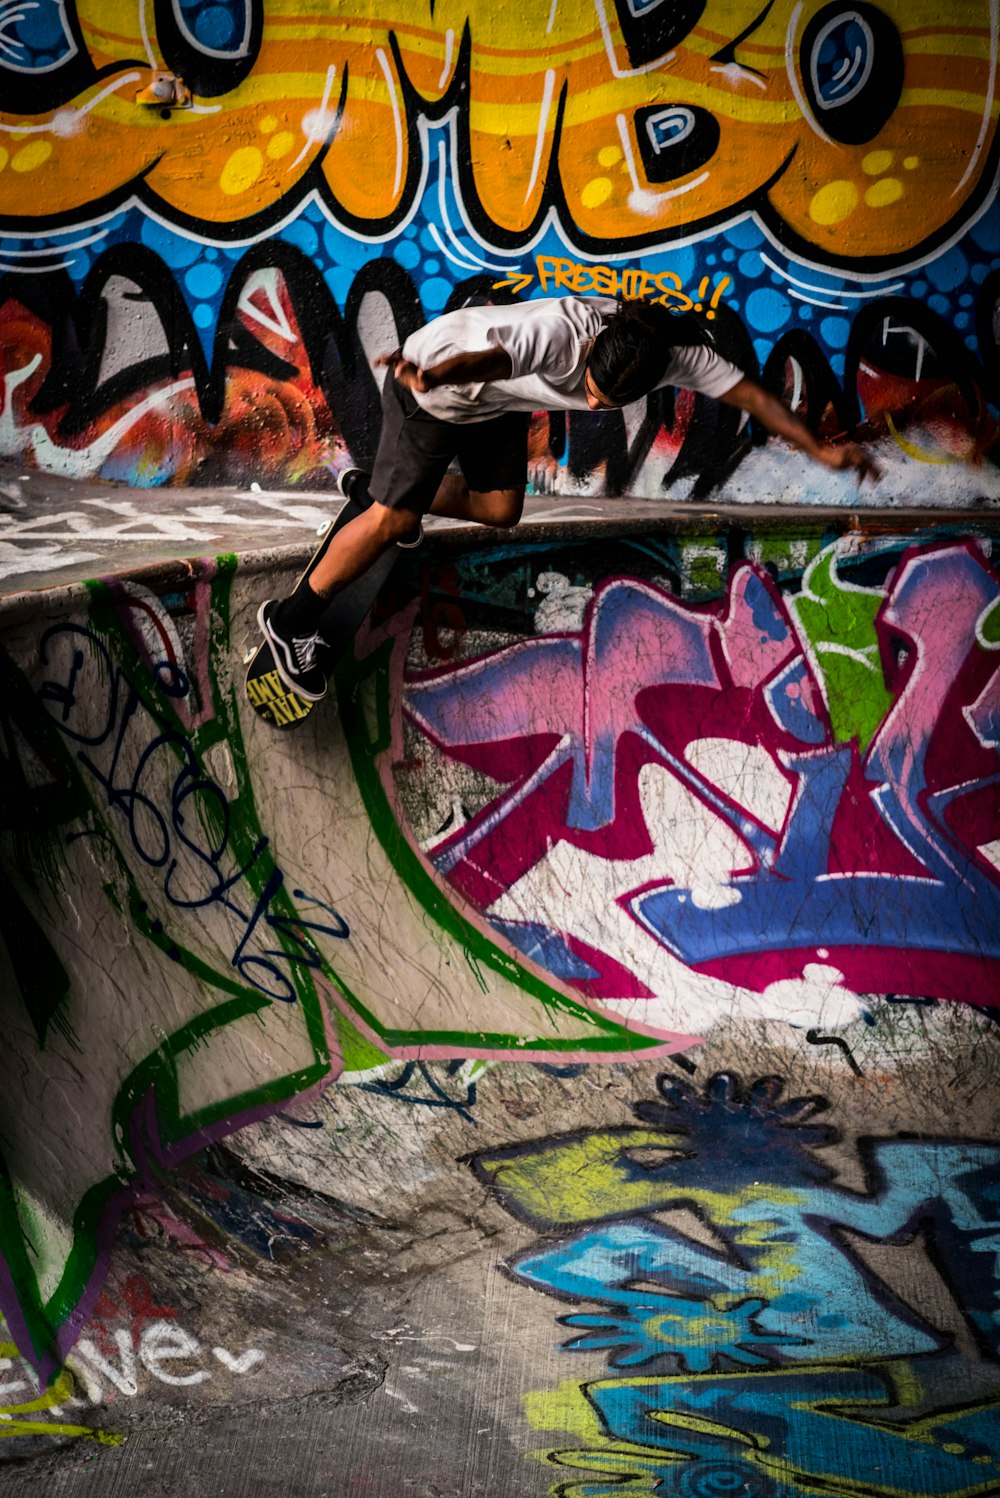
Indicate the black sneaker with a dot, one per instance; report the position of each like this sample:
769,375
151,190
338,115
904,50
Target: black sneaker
295,656
352,483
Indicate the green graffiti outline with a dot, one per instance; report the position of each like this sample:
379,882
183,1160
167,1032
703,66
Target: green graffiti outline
156,1072
353,678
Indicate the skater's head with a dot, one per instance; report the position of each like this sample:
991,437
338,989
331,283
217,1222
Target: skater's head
630,355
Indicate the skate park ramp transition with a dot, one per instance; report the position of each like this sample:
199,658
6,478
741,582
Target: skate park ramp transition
564,1063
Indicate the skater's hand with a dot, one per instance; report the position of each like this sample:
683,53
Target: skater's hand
852,455
406,372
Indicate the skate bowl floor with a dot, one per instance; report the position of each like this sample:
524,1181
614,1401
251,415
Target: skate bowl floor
565,1065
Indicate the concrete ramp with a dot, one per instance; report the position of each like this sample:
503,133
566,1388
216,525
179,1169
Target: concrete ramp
655,835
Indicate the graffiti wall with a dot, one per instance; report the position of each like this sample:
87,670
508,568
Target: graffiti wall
577,800
698,776
743,1328
214,216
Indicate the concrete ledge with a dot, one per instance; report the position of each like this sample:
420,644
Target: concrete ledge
545,519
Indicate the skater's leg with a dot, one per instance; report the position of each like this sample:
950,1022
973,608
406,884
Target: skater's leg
409,469
295,626
363,540
409,478
493,457
413,455
358,545
499,507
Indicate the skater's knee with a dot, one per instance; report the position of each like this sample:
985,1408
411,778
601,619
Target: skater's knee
500,507
393,525
513,504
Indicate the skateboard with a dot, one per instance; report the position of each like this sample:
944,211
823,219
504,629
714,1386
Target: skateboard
266,693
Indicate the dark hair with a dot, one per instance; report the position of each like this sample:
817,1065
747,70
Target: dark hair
631,353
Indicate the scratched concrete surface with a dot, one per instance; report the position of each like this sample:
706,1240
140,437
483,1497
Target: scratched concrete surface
380,1342
55,531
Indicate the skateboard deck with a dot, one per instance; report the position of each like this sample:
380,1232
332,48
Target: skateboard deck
266,692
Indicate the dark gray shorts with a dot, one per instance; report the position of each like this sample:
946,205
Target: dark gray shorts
416,449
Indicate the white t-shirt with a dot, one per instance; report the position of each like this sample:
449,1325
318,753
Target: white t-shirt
548,342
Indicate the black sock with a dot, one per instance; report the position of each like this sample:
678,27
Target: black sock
300,614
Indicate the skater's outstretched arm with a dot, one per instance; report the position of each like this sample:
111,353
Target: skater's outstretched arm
772,413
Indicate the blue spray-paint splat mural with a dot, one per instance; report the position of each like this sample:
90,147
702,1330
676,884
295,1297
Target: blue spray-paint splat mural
753,1350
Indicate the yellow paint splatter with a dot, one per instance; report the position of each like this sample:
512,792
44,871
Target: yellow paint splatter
564,1409
4,158
922,454
27,159
833,203
241,170
876,162
596,192
910,162
30,1417
609,155
268,124
280,145
881,194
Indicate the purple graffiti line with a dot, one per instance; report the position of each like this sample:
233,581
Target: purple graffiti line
662,736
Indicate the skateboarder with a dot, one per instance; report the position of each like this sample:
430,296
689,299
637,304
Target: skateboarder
464,387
